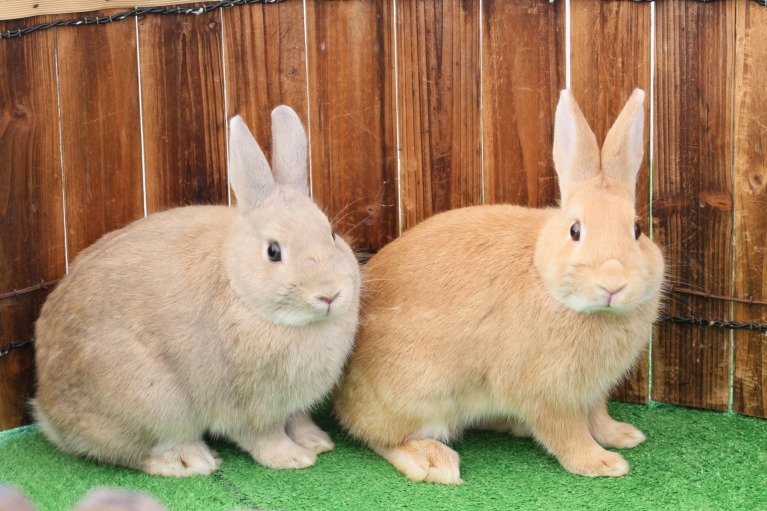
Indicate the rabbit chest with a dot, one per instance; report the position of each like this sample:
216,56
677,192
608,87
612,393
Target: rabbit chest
270,371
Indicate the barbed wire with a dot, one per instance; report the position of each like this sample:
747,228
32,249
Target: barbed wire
14,346
102,20
18,292
715,323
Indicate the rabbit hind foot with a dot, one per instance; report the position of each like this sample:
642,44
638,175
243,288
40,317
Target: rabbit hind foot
424,459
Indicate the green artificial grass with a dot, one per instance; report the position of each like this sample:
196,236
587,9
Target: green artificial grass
692,460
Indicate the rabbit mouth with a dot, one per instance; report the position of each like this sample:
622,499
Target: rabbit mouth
609,304
605,308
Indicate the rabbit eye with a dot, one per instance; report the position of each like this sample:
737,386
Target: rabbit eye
333,233
575,231
273,252
637,231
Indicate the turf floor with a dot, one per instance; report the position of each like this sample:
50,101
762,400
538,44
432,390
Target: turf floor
692,460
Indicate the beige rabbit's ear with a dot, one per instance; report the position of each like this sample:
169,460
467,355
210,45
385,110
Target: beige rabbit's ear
623,150
289,149
249,171
576,153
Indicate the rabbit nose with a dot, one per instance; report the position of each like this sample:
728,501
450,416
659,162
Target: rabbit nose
613,290
329,299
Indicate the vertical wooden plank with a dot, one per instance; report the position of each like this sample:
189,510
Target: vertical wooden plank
17,368
31,211
438,68
692,199
352,112
610,57
101,129
750,378
182,92
265,55
523,70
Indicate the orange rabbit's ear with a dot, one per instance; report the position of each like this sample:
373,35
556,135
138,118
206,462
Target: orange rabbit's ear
623,150
576,153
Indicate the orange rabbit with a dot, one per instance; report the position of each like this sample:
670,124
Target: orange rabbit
512,318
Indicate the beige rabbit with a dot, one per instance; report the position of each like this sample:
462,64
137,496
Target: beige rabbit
204,319
512,318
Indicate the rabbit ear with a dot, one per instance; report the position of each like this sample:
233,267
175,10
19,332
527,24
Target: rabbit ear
289,149
623,150
249,171
576,153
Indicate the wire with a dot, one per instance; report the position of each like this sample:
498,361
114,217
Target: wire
102,20
716,323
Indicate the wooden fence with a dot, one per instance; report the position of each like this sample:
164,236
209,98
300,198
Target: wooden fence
413,107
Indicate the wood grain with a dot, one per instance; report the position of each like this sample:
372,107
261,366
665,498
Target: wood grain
692,196
101,130
750,364
31,210
17,368
183,107
610,57
12,9
352,116
523,62
265,64
438,69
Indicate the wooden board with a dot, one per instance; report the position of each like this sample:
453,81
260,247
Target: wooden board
438,69
182,90
750,378
523,62
265,64
692,204
352,117
17,368
31,211
12,9
610,57
100,130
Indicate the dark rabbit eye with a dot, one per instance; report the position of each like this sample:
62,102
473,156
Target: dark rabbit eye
575,231
637,231
333,233
273,252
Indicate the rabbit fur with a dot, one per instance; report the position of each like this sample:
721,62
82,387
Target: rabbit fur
494,317
179,324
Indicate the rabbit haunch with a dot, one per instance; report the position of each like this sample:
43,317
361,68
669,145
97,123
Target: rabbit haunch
511,318
181,324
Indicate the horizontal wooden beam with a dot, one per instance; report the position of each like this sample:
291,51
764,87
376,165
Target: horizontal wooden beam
14,9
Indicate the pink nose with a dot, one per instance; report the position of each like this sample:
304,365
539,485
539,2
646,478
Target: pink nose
613,290
329,299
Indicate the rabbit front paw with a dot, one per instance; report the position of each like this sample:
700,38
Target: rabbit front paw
601,463
278,451
303,431
611,433
619,435
181,460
